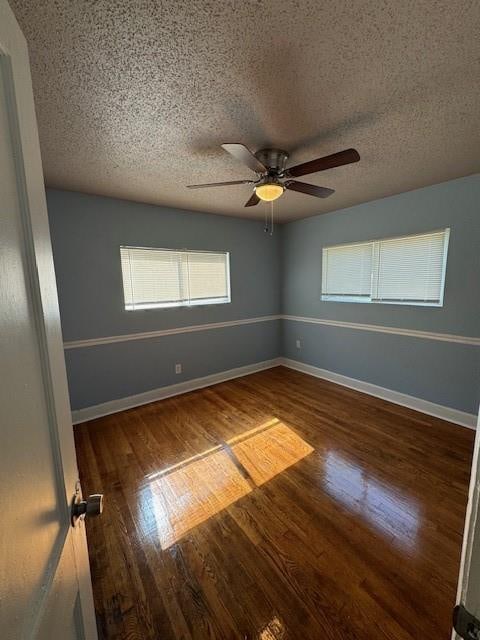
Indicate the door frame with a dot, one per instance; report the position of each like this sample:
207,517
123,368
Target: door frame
468,589
70,546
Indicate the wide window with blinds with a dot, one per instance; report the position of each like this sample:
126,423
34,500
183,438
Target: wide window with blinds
404,270
159,278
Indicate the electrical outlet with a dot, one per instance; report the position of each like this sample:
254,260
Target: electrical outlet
299,344
178,368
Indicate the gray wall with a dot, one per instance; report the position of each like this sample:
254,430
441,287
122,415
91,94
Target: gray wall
269,275
87,232
445,373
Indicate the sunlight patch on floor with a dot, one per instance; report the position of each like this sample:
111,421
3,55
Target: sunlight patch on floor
192,491
270,452
274,630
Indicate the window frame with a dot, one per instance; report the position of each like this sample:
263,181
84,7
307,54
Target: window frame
180,303
374,277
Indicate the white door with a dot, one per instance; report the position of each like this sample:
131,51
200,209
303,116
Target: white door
45,589
468,594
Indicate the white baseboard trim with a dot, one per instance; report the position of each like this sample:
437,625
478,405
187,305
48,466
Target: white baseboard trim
424,406
113,406
462,418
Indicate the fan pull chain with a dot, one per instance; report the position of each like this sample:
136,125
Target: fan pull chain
265,228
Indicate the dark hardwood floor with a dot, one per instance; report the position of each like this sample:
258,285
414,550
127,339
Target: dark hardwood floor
273,507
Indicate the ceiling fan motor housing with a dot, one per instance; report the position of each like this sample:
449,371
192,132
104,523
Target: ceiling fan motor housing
274,159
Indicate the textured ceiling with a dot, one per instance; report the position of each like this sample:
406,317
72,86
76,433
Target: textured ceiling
134,98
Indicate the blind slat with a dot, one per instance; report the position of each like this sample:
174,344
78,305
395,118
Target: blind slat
161,277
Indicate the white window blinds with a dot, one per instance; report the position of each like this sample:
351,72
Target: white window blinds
405,270
164,278
410,269
347,270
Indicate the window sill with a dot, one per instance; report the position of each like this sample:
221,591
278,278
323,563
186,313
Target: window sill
361,300
153,306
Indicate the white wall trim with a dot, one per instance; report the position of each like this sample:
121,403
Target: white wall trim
424,406
92,342
413,333
113,406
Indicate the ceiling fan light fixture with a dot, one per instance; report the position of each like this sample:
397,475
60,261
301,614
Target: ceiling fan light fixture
268,191
270,168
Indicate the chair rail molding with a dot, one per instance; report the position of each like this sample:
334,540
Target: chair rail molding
92,342
412,333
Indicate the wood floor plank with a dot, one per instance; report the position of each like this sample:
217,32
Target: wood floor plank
349,523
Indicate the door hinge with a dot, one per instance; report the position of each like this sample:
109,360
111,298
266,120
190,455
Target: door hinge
465,623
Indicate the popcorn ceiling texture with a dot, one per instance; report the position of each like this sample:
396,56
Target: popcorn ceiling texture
134,98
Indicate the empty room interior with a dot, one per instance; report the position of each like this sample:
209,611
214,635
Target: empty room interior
264,225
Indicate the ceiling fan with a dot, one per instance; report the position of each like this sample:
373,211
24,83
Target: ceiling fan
273,177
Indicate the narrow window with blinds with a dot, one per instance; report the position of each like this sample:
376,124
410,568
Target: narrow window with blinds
160,278
404,270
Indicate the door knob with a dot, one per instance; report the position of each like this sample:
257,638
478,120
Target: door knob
92,506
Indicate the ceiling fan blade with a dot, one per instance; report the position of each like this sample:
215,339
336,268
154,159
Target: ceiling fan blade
253,200
327,162
310,189
219,184
240,152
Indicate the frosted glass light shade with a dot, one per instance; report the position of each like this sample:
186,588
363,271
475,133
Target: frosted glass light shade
269,191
